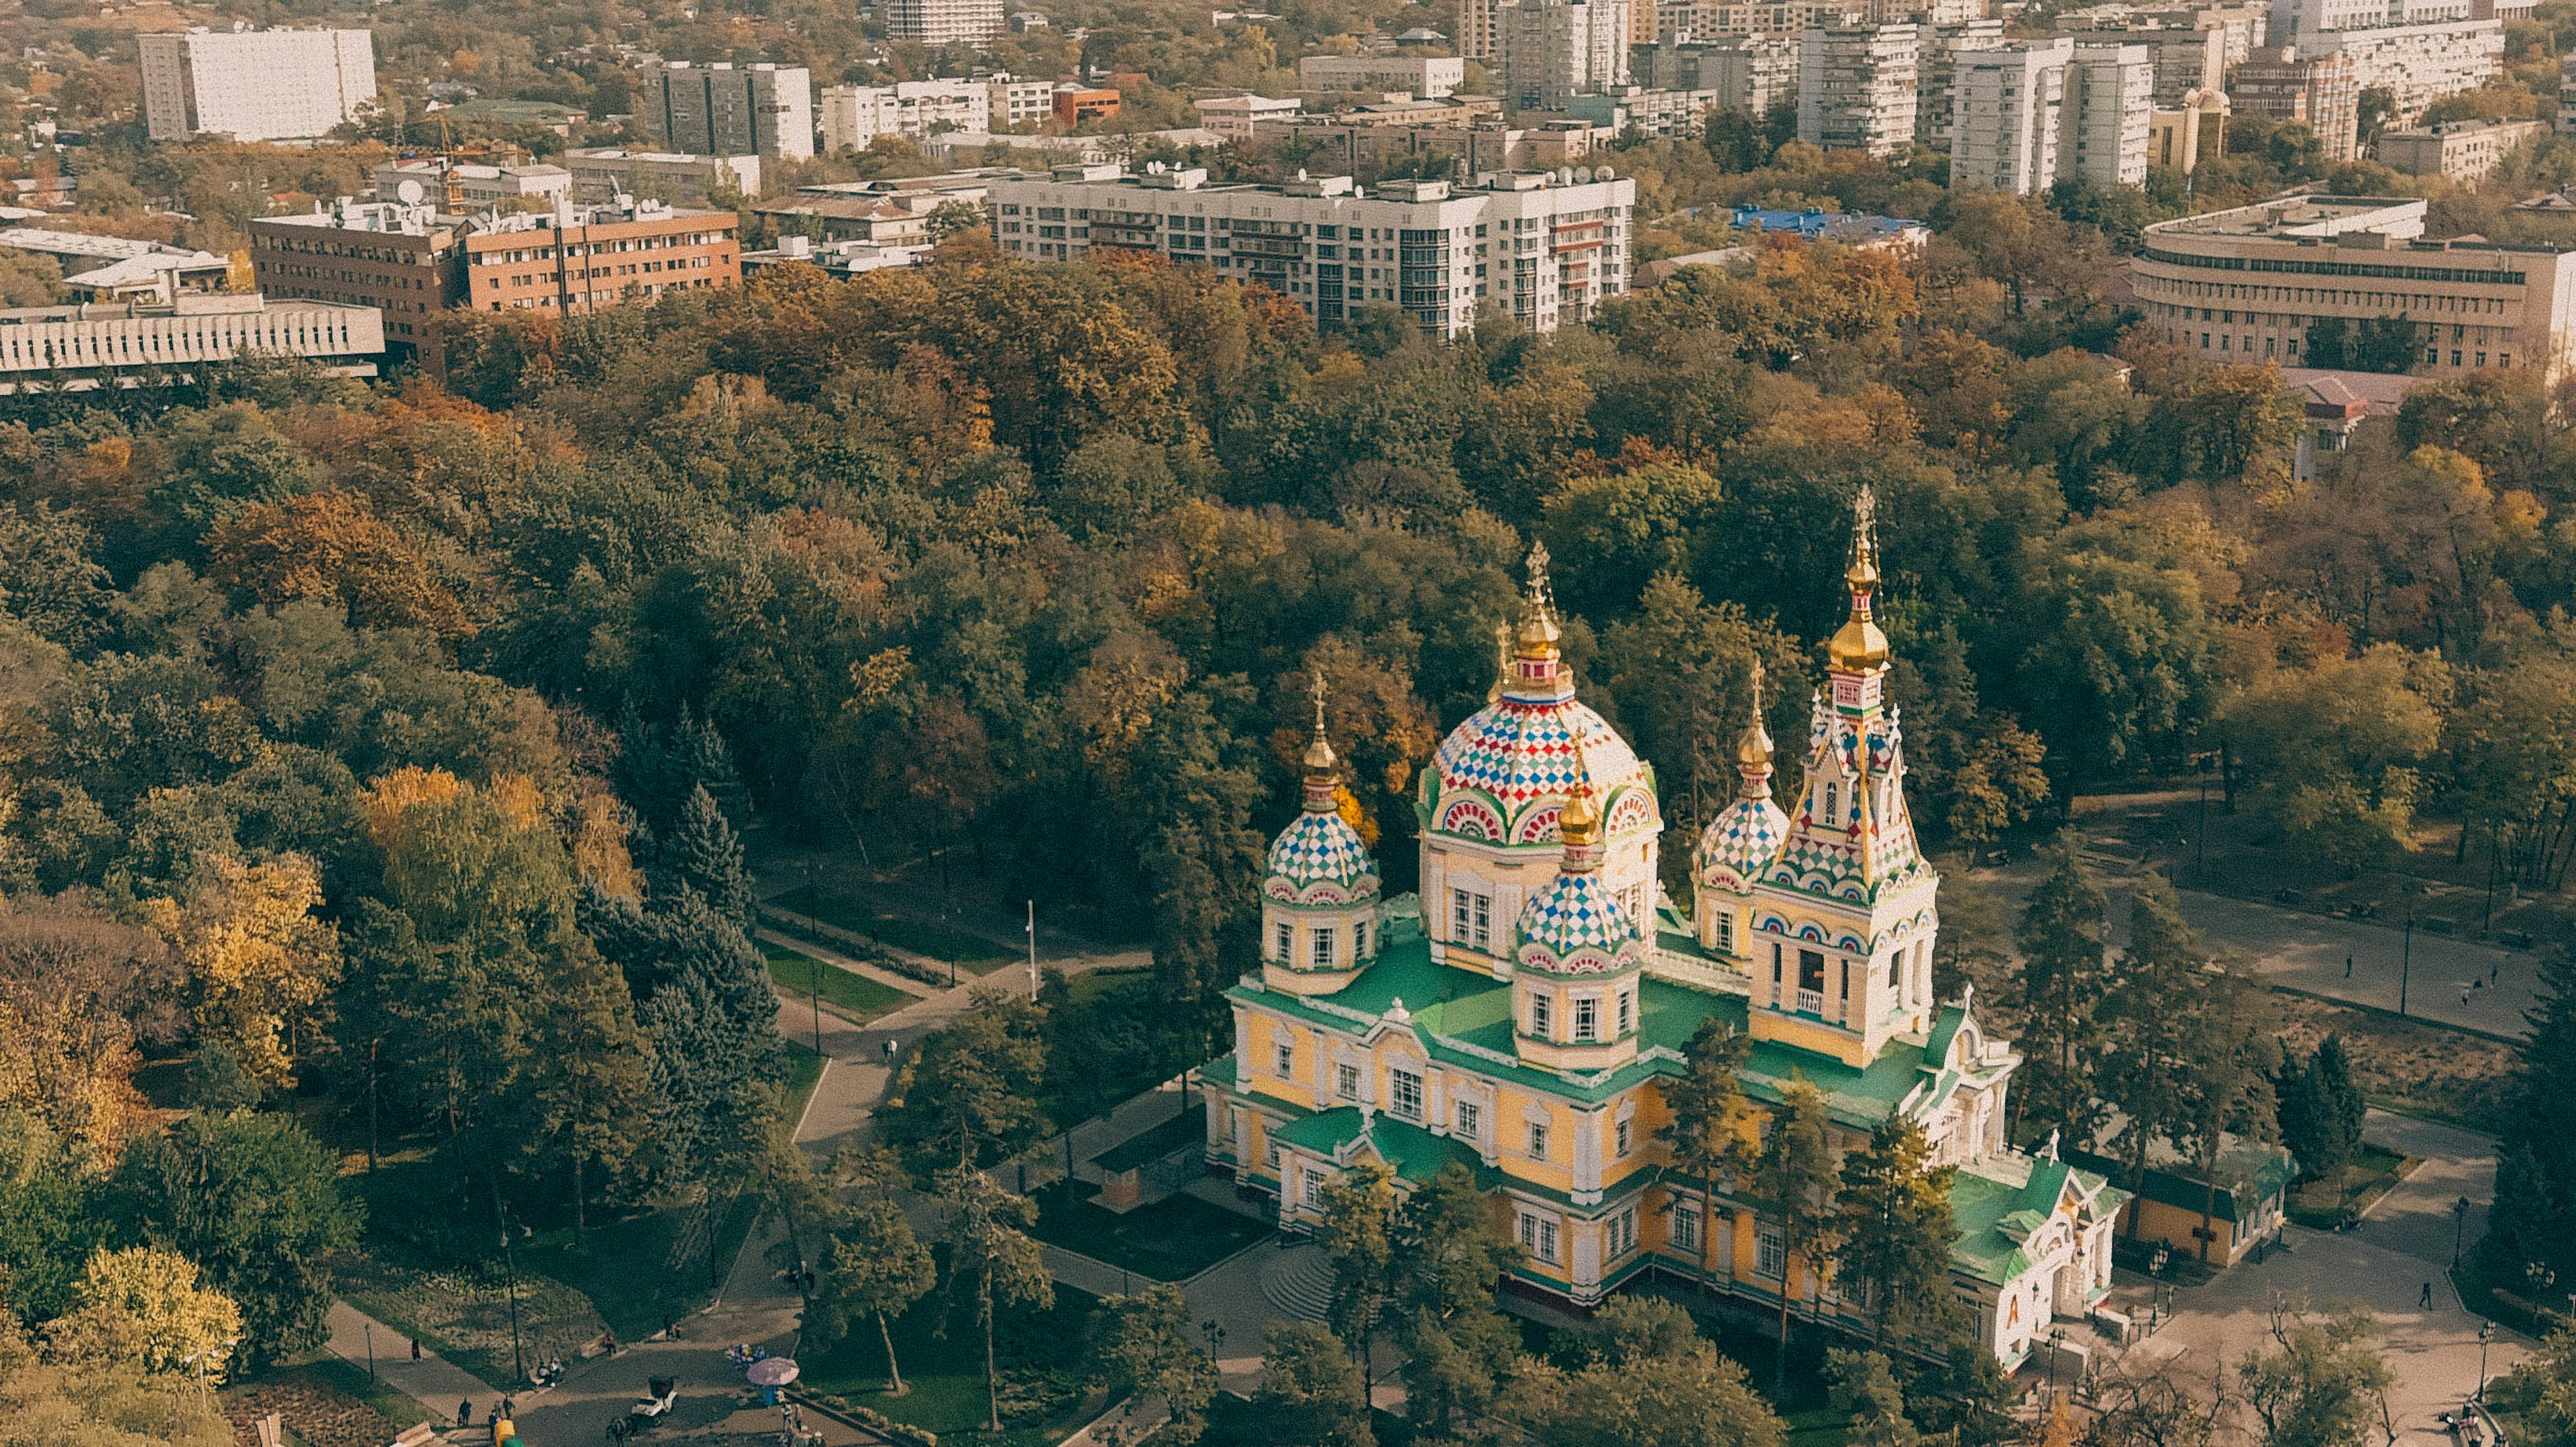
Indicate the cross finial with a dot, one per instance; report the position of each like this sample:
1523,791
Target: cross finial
1318,691
1757,687
1539,592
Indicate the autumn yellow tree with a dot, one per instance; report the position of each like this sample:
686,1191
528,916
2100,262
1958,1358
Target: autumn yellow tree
259,962
332,546
144,1307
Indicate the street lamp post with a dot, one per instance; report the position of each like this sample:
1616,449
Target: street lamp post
1033,949
2486,1330
2406,961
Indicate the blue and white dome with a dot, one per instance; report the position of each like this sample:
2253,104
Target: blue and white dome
1576,926
1320,859
1741,841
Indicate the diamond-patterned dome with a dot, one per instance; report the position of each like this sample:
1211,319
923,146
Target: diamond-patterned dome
1744,837
1319,859
1520,753
1576,926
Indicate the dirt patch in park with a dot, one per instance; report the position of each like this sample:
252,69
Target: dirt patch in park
2465,1079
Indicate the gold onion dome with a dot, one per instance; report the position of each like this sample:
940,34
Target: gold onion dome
1858,646
1539,632
1753,748
1579,823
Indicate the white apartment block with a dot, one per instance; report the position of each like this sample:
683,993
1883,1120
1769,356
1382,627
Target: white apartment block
1652,112
1857,87
255,85
1427,77
2005,121
2418,64
1713,19
2244,25
855,115
2186,59
1943,46
2110,103
1757,73
82,348
944,22
1547,248
1235,116
1554,50
2293,22
2245,285
731,110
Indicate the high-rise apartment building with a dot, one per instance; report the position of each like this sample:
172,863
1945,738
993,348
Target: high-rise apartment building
255,85
1556,49
2416,64
2006,117
1548,248
1716,19
2293,22
1857,87
1943,45
2187,57
731,110
2110,106
1757,73
1477,36
944,22
2324,93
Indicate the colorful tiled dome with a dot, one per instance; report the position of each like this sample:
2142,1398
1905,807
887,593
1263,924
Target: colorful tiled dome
1576,926
1319,859
1503,773
1743,838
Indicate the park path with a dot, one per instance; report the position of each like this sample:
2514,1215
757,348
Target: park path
433,1381
2404,1244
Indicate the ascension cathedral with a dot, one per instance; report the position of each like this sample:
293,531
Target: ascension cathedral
1521,1015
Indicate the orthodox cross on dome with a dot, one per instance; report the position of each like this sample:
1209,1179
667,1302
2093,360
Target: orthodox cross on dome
1321,779
1540,593
1753,748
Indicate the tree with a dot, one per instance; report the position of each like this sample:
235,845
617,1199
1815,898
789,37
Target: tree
1708,1131
2320,1382
701,852
991,1251
1145,1341
1656,1383
83,1393
969,1092
2321,1110
1895,1228
2159,1030
1796,1176
1358,1232
878,1268
2534,1216
2062,976
258,960
142,1306
1865,1386
1313,1393
1446,1253
258,1204
2541,1393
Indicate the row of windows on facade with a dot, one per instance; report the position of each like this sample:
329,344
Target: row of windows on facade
1322,944
2289,347
1323,231
1542,1236
1404,1099
2314,296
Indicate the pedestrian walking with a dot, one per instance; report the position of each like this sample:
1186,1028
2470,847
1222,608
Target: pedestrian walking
2347,967
2426,1299
889,1049
464,1414
415,1348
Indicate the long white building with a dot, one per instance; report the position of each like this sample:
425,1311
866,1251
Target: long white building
255,85
944,22
1546,248
81,348
855,115
2417,64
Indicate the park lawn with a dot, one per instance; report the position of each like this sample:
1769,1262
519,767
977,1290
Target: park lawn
854,995
969,952
1173,1239
944,1372
2371,1175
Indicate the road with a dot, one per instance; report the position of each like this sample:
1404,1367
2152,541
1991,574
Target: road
2403,1244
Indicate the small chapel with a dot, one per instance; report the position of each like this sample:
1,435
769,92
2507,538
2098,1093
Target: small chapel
1520,1015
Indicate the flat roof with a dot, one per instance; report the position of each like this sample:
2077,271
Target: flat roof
2300,215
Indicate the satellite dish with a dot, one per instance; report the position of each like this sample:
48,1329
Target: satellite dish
409,191
1583,174
1604,173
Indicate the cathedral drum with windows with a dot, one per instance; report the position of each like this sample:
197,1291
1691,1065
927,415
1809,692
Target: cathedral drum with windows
1517,1017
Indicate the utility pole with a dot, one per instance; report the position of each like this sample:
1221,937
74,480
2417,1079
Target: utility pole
510,1266
1033,949
814,992
2406,962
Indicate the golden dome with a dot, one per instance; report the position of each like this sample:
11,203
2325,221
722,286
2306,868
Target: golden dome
1858,645
1579,822
1320,758
1539,632
1753,749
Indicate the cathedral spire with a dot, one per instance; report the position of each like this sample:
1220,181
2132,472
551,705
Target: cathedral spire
1537,671
1323,774
1753,749
1859,647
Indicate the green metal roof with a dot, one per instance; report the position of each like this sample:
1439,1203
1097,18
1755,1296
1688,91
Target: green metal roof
1453,1008
1415,1155
1993,1212
2249,1174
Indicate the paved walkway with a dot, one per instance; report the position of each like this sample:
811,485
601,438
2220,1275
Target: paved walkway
433,1381
2403,1243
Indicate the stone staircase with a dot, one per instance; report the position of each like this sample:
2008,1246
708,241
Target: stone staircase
1299,1282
